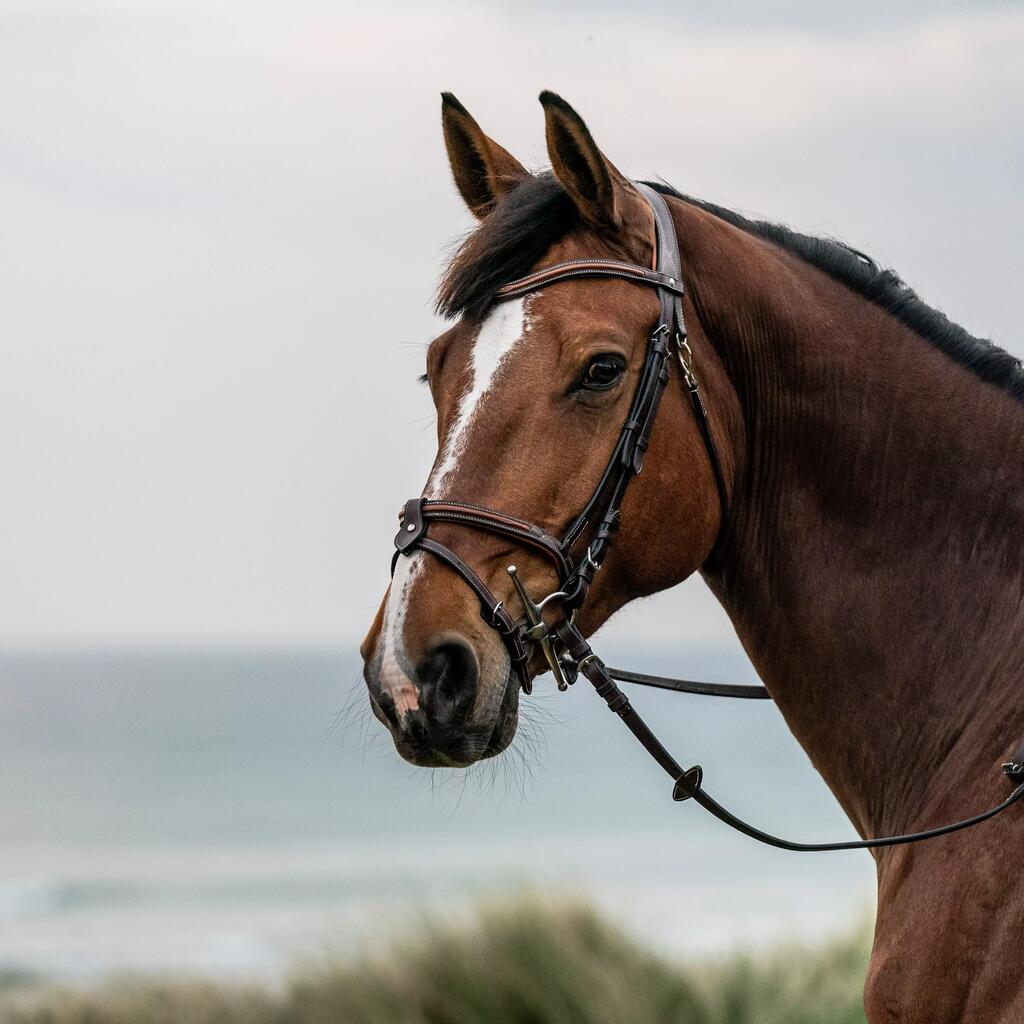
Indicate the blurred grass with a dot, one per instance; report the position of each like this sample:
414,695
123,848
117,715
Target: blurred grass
528,965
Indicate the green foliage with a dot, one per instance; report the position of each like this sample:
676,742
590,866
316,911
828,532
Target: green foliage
528,965
792,985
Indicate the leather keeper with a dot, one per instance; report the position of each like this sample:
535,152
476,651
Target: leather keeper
412,525
688,783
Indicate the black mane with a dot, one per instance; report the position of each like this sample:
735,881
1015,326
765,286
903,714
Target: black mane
538,213
885,288
508,244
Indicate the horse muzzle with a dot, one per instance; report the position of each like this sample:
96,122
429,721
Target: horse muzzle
447,705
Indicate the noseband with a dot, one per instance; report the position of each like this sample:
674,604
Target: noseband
564,647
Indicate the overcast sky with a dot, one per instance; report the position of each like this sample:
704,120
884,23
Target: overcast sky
207,374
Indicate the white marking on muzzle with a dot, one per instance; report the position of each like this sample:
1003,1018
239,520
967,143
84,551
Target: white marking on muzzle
505,326
393,678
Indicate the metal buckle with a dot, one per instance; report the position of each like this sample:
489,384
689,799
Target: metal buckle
685,355
537,629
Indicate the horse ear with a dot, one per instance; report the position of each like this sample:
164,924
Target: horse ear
482,169
599,191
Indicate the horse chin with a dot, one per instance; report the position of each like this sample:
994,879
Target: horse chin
463,750
502,736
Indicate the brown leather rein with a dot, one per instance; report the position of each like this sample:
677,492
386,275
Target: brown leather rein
564,647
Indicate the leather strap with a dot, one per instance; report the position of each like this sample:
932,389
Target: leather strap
689,686
628,456
701,416
689,784
541,278
668,256
500,523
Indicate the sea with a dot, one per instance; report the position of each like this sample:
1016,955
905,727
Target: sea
236,812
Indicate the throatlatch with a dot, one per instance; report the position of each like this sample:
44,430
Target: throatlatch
565,649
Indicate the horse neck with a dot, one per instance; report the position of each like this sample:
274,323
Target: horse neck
871,563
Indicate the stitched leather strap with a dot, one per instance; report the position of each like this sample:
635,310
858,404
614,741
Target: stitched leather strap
587,268
628,456
500,523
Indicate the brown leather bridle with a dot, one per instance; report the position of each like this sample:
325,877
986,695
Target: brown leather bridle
599,517
565,649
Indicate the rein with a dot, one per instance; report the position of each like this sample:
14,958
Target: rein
564,647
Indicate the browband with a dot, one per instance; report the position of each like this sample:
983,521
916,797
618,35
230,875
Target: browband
587,268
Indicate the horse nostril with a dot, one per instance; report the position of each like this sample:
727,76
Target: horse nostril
386,703
448,676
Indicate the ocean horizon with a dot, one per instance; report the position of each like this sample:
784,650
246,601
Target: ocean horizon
235,811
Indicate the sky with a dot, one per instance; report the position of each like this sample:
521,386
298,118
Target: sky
208,408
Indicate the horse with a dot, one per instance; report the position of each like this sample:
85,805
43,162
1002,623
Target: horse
865,547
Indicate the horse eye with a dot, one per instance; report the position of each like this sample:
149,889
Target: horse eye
602,373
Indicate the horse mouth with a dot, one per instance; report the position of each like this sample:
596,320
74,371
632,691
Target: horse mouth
457,751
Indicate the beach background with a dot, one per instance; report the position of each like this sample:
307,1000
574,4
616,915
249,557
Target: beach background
207,398
230,812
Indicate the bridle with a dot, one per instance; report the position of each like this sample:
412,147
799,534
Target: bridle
564,647
601,512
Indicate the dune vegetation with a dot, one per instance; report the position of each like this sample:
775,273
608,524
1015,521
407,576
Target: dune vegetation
527,965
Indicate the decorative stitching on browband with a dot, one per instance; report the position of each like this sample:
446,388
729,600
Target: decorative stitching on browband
631,270
585,261
588,268
588,259
533,286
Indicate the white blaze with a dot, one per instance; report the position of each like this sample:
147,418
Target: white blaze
506,325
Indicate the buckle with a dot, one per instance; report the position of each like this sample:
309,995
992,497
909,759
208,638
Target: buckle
685,356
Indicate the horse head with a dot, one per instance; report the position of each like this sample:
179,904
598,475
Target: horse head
532,392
